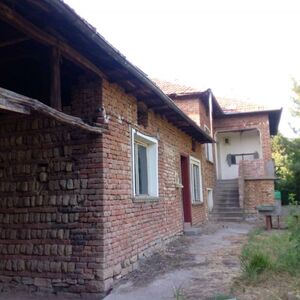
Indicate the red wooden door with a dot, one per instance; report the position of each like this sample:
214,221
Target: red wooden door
186,195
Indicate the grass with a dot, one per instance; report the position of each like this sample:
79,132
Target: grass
274,253
178,293
270,264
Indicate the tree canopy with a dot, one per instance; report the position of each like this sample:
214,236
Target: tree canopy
286,153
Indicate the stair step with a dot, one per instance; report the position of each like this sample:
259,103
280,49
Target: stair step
226,209
226,202
227,214
227,219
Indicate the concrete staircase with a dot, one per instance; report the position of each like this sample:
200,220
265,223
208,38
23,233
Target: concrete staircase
226,202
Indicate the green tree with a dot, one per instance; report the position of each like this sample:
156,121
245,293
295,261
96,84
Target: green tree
296,99
286,154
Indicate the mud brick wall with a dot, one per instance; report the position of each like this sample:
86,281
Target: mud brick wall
51,211
257,192
134,229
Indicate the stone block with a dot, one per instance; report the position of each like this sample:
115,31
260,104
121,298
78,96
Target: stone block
42,282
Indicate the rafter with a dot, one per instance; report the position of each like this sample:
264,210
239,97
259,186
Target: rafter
14,19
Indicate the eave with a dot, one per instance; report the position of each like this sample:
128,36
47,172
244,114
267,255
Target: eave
273,115
64,28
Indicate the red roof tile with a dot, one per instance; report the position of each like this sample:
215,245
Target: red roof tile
173,88
228,105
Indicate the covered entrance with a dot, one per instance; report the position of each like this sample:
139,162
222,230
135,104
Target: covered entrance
236,146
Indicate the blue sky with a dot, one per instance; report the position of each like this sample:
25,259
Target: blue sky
240,49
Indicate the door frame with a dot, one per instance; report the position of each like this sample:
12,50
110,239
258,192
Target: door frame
186,191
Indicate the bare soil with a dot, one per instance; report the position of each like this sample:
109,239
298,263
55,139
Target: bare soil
192,267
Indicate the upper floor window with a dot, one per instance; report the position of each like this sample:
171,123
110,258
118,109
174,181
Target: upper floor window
196,181
145,165
209,147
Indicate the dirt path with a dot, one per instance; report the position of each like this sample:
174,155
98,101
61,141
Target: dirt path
195,267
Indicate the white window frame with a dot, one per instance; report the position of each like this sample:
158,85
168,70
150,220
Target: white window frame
209,154
151,145
197,162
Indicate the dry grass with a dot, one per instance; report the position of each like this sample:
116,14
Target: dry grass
270,287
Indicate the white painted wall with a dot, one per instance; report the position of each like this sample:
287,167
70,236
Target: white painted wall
239,142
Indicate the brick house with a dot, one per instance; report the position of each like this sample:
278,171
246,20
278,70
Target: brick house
98,166
241,156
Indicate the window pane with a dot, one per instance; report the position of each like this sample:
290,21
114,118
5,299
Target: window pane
196,183
142,170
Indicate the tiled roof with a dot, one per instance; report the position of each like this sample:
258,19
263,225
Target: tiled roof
173,88
228,105
233,105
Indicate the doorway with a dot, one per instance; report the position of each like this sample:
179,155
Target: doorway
186,195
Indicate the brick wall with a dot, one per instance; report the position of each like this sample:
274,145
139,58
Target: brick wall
252,168
257,192
134,229
68,219
191,107
50,201
196,110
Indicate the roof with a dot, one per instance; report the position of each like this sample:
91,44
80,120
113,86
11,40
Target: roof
228,107
173,88
55,18
179,91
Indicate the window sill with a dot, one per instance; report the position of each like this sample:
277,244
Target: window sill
144,198
197,204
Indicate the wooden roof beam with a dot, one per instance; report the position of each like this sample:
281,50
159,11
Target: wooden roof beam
14,19
13,42
15,102
13,107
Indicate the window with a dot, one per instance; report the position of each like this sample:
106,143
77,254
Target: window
196,181
209,148
145,165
